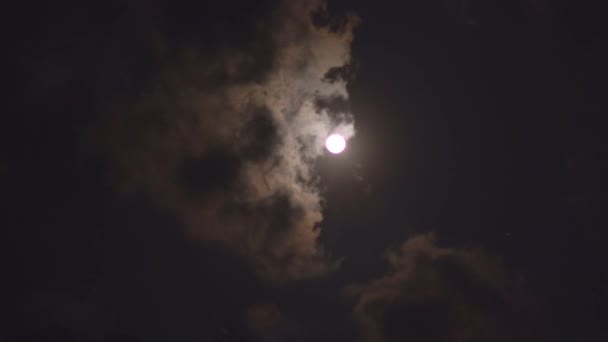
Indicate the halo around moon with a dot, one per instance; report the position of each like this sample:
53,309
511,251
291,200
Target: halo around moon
335,143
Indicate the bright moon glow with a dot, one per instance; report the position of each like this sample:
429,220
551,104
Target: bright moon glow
335,143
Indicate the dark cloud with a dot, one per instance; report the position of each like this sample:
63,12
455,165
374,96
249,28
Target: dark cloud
260,137
264,320
216,170
441,294
227,133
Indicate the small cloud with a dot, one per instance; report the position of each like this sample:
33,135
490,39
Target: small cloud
441,294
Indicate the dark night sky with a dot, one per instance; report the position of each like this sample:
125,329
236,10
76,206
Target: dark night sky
469,206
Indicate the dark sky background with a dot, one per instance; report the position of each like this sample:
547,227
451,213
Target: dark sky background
469,206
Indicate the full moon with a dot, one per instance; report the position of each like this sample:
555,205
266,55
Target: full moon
335,143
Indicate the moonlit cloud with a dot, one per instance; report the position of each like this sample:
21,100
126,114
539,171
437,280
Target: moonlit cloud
227,139
433,293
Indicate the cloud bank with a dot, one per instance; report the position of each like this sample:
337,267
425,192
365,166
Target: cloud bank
226,139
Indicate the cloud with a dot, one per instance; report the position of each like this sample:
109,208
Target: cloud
442,294
226,138
264,319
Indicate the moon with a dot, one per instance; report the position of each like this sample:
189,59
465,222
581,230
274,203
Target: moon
335,143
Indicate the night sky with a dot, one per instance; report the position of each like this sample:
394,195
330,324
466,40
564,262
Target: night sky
163,174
